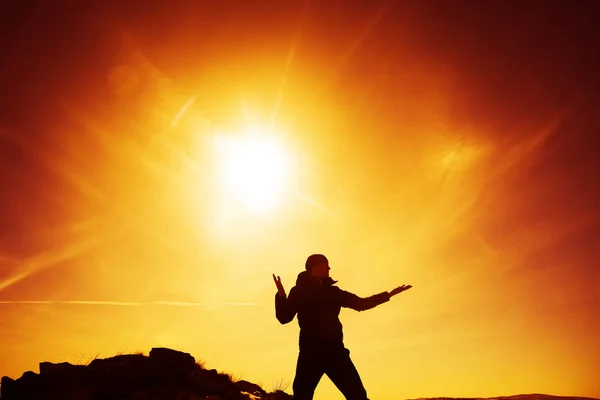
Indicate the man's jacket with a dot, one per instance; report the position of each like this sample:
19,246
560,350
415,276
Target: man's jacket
318,303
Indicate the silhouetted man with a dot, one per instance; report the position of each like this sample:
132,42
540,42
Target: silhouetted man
318,303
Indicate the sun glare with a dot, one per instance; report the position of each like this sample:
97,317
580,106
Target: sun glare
253,170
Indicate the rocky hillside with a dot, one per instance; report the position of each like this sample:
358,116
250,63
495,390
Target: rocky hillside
163,374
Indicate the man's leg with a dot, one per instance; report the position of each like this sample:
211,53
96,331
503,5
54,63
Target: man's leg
309,371
340,369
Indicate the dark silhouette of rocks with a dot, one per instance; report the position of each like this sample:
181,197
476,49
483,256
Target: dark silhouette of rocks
164,374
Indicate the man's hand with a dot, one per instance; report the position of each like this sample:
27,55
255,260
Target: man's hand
400,289
280,289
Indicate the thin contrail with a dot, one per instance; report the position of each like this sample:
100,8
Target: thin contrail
183,110
530,146
288,64
129,303
46,260
368,28
238,303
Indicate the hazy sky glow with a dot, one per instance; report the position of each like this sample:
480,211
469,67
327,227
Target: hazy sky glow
451,146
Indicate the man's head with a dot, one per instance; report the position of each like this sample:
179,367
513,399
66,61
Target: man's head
317,265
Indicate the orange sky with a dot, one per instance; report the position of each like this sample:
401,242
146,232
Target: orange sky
449,148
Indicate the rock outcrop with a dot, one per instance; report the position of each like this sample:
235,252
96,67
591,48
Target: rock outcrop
163,374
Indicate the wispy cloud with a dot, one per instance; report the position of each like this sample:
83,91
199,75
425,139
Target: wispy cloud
7,259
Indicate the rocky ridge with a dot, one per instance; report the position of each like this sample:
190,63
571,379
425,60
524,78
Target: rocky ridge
164,374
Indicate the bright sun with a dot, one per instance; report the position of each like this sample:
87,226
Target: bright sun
253,169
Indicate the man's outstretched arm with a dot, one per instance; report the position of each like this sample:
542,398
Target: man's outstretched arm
285,307
350,300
